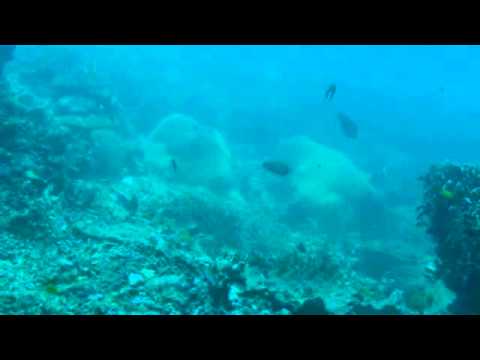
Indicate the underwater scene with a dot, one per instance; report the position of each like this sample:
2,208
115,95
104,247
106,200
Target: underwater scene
239,180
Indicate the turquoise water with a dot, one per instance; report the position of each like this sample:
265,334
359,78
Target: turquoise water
221,180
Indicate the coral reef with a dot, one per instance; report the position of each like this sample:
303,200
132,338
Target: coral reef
324,175
451,215
96,222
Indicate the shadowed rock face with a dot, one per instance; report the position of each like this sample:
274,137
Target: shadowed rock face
6,54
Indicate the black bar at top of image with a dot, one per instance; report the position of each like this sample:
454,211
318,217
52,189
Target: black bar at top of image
325,24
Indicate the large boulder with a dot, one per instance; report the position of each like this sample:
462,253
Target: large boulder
200,154
322,174
324,189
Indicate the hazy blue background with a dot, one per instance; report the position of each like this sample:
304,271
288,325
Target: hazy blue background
413,101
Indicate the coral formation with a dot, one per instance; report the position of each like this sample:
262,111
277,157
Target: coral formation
453,221
324,189
94,221
201,153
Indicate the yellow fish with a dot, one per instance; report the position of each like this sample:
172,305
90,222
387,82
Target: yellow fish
447,194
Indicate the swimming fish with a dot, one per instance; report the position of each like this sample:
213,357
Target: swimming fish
173,163
349,128
130,204
276,167
330,93
301,247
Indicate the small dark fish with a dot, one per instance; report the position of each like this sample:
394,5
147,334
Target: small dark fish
276,167
131,205
330,93
173,163
301,247
349,128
